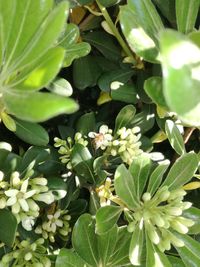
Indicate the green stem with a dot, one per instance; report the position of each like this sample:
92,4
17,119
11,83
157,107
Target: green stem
115,31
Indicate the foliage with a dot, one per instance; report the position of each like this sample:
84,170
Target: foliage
115,182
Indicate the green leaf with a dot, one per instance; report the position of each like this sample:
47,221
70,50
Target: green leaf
121,75
8,227
182,171
44,72
181,76
141,24
167,8
60,86
125,187
139,169
31,133
108,3
69,258
154,89
34,106
84,240
85,72
106,245
175,261
86,123
193,214
189,253
186,14
157,176
125,117
155,258
125,93
82,162
136,245
106,218
104,43
174,136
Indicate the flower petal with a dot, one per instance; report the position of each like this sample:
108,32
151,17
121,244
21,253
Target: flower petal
24,204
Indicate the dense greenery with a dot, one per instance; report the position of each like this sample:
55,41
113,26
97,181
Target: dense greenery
99,133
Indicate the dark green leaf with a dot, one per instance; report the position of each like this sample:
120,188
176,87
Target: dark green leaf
8,227
174,136
125,187
167,8
125,93
31,133
108,3
186,14
34,106
125,117
106,218
69,258
182,171
86,123
84,240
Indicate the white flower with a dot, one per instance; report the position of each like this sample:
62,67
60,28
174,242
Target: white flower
103,138
28,223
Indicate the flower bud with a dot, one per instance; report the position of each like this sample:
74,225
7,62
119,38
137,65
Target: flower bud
179,227
146,197
28,256
131,227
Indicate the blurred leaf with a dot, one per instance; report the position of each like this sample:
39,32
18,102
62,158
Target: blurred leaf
186,14
145,119
8,121
120,75
153,87
108,3
193,214
104,97
182,171
175,261
141,24
174,136
139,169
106,218
85,72
125,93
69,258
34,106
167,8
84,240
125,117
181,76
8,227
189,253
60,86
104,43
31,133
125,187
136,245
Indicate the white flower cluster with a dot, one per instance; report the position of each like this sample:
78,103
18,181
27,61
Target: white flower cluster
161,216
65,147
125,143
105,192
57,223
27,254
21,195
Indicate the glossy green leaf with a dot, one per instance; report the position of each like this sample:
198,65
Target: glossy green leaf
189,253
125,93
31,133
122,76
106,245
182,171
84,240
167,8
175,261
154,89
86,123
60,86
141,24
125,117
8,227
69,258
104,43
156,177
193,214
181,76
174,136
34,106
155,258
85,72
106,218
108,3
125,187
82,162
136,245
139,169
186,14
